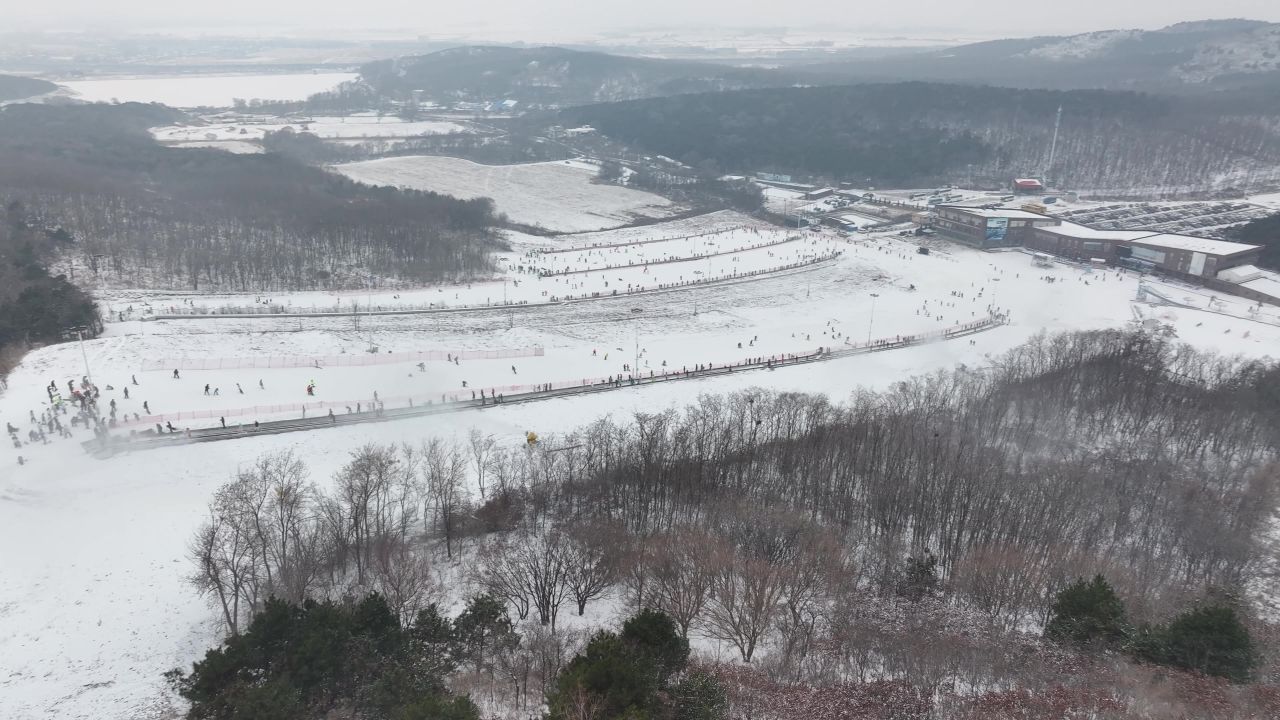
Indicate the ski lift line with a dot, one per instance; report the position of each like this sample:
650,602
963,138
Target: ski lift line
778,271
669,261
109,445
581,248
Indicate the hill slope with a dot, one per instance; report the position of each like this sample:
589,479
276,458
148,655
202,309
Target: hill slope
549,76
1188,57
13,87
146,215
919,134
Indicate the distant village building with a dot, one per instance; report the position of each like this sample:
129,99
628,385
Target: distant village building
1027,186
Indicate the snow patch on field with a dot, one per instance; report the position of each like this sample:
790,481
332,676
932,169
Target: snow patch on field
557,196
189,91
330,128
1081,47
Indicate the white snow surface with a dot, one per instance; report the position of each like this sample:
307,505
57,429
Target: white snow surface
353,127
189,91
94,607
558,196
1080,47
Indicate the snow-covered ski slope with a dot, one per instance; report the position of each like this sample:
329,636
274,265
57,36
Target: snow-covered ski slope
94,606
557,196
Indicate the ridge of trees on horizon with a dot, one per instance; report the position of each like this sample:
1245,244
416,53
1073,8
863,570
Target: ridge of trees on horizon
202,218
917,134
825,544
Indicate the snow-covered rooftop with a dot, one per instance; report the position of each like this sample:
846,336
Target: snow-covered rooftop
1268,284
998,212
1076,230
1194,244
1241,274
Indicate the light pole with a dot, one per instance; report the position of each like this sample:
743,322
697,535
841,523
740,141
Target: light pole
871,322
635,369
79,331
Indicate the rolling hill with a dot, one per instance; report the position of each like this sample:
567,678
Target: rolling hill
13,87
549,76
921,134
1187,57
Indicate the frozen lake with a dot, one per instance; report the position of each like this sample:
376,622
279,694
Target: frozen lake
185,91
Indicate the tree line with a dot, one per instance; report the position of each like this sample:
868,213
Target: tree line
924,134
201,218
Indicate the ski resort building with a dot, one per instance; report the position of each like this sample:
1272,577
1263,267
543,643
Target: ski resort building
1181,255
988,227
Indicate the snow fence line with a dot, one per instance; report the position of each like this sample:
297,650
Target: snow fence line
247,313
602,246
323,361
417,406
543,272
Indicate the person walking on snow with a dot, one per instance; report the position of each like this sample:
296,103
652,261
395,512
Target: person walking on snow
175,374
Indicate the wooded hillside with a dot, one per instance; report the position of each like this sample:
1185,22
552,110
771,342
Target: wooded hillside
198,218
920,134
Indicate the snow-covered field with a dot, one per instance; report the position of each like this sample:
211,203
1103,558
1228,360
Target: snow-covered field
330,128
93,607
188,91
558,196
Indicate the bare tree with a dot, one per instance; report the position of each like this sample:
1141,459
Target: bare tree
481,447
444,472
681,574
404,577
226,561
745,599
528,570
590,556
367,492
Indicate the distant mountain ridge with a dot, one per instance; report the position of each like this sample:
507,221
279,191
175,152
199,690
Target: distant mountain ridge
552,76
1187,57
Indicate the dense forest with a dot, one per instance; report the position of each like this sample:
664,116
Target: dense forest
921,134
903,552
13,87
202,218
36,307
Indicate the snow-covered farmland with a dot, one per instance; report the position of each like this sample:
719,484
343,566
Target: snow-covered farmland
94,606
354,127
557,196
189,91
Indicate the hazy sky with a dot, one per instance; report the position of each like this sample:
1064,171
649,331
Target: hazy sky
577,19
